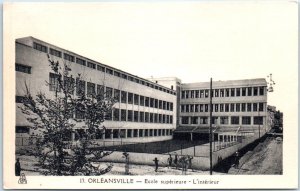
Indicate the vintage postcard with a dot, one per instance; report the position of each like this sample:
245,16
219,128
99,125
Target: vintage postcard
154,95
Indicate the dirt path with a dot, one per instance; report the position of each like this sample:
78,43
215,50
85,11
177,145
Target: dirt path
266,158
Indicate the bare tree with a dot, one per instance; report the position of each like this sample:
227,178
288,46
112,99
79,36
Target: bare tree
53,117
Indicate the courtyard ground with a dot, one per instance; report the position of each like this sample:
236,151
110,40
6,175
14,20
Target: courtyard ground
266,158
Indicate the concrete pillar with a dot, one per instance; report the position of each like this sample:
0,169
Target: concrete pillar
143,132
119,133
125,136
138,133
103,135
191,136
131,132
223,138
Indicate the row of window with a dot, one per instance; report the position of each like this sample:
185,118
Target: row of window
133,116
89,88
224,120
227,107
131,133
101,68
227,92
23,68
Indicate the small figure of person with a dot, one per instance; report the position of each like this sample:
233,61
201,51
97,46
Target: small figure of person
17,168
156,164
126,156
237,162
190,158
170,161
176,161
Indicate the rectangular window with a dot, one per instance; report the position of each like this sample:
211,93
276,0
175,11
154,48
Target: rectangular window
221,92
91,65
258,120
197,94
226,107
206,93
53,82
155,118
40,47
100,68
255,91
201,108
142,100
80,61
214,120
194,120
109,71
136,99
117,95
221,107
80,87
192,108
224,120
184,120
243,107
151,118
129,133
232,92
151,102
136,116
69,84
261,106
206,107
235,120
124,76
261,91
203,120
201,93
117,74
243,91
250,91
108,115
116,114
227,92
68,57
160,104
192,94
129,115
130,98
197,106
187,108
142,117
238,91
232,107
216,107
237,107
171,106
123,97
147,101
55,52
100,90
164,105
171,119
90,89
123,115
249,107
254,106
160,118
182,108
109,92
246,120
216,92
187,94
146,117
23,68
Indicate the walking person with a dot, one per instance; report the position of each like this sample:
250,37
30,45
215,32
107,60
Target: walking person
170,161
237,159
176,161
190,158
156,164
17,168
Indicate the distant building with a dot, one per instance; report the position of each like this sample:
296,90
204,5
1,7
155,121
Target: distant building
237,106
145,111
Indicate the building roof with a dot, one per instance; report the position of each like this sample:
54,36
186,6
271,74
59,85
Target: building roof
227,83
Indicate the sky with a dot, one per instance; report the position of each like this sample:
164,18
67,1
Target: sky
194,41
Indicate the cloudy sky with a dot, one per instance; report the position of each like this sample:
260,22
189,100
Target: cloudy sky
193,41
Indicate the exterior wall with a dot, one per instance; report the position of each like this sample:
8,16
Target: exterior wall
36,81
190,100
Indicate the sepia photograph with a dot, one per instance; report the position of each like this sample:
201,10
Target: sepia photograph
169,95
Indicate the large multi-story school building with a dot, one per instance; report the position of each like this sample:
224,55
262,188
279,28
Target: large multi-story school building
147,109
